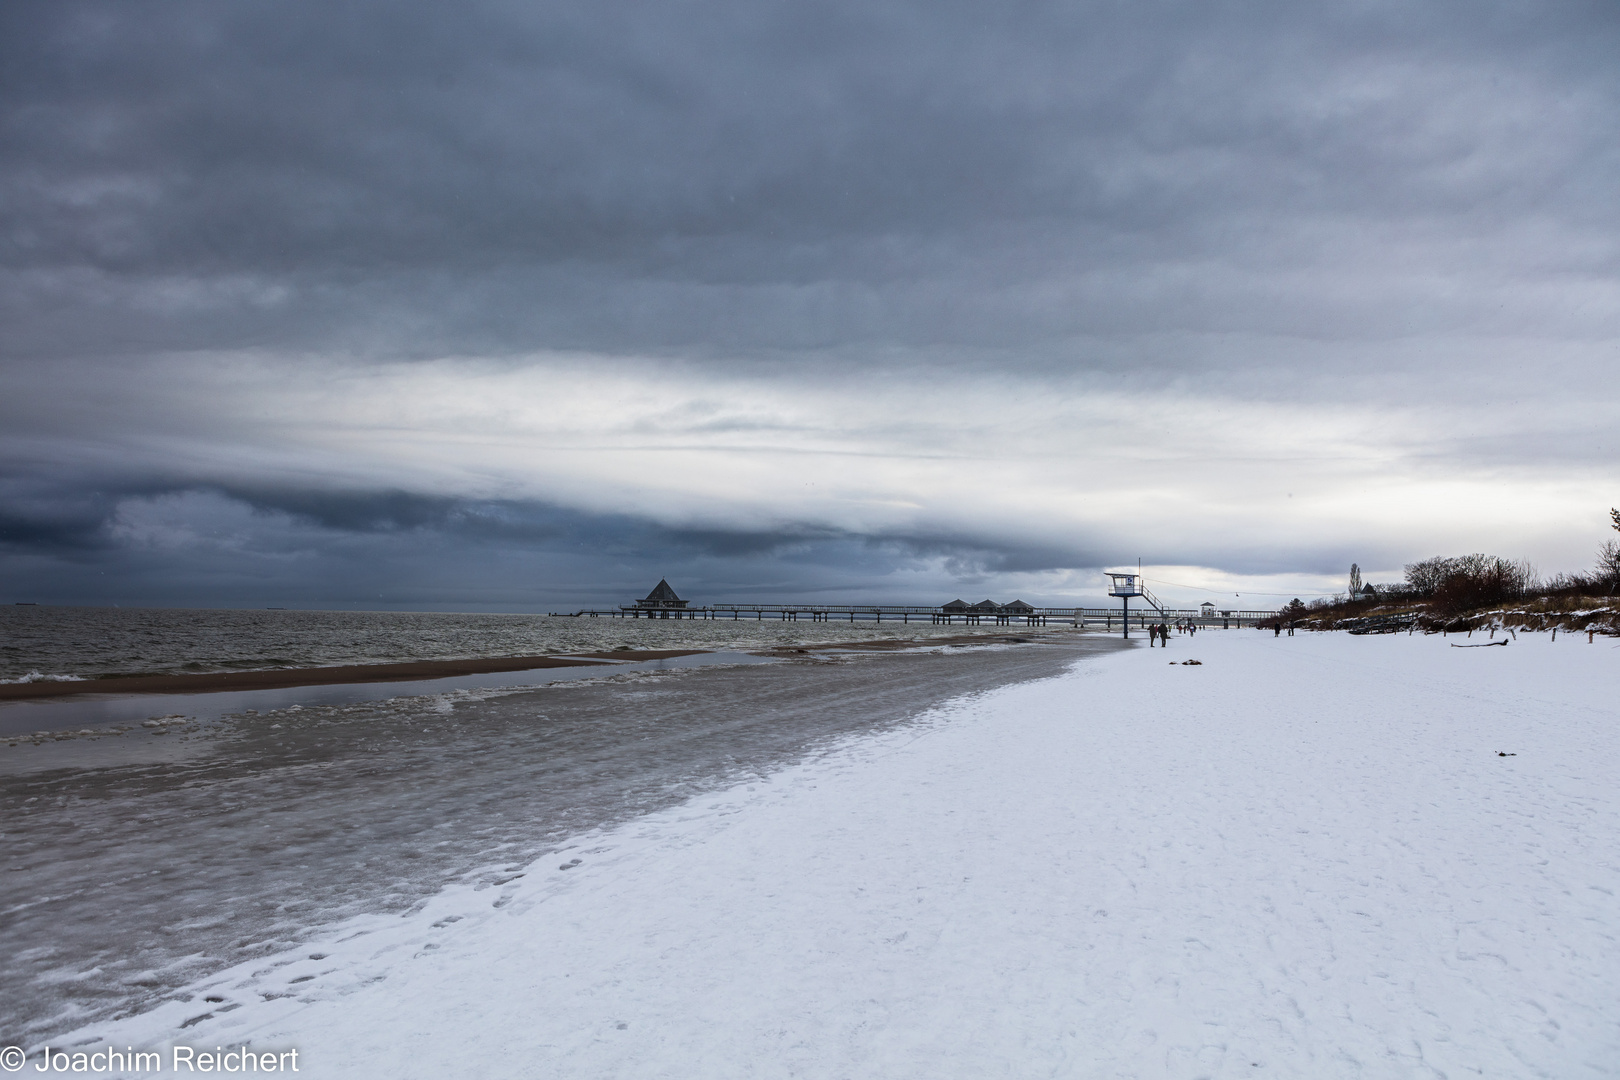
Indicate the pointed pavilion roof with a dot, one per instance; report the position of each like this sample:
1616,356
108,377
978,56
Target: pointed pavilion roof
663,594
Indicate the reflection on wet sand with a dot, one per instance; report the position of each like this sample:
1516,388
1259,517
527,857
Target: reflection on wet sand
127,880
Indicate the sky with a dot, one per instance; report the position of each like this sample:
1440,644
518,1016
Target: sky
524,306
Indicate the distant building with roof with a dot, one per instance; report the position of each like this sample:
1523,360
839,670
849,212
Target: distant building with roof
662,598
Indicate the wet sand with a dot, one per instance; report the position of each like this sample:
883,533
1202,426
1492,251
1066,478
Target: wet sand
127,876
280,678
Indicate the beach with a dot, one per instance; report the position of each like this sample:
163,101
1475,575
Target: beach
1310,856
142,857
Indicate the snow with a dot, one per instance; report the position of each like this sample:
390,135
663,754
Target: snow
1303,858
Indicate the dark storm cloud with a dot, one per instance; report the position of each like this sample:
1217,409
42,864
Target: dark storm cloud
506,522
513,522
392,549
695,176
42,524
57,516
57,529
1312,204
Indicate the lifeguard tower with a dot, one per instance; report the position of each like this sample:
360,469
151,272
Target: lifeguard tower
1125,586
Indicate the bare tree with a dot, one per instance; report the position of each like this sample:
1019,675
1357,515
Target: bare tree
1470,581
1609,555
1609,562
1425,577
1608,567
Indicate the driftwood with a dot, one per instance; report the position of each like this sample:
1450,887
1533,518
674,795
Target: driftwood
1481,645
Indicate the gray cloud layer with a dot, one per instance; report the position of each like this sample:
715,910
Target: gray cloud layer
1368,203
787,176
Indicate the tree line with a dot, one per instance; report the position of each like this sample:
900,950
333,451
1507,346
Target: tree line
1450,585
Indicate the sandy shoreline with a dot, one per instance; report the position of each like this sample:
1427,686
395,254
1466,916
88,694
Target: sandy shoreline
286,678
282,678
307,809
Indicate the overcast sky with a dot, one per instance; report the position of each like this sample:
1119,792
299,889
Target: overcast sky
525,305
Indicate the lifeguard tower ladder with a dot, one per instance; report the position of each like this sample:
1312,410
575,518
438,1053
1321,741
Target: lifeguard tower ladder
1125,585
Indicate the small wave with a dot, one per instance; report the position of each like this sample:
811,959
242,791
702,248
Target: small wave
35,676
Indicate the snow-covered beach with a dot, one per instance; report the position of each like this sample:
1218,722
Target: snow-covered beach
1302,857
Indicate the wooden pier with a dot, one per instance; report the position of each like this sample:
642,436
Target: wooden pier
662,603
811,612
1107,618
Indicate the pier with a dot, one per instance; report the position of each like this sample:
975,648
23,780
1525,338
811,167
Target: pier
662,603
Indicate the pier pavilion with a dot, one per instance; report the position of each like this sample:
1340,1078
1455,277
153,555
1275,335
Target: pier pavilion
660,602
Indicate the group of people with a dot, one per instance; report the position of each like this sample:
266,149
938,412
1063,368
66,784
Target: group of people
1159,633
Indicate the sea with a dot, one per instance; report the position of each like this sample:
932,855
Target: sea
48,643
193,832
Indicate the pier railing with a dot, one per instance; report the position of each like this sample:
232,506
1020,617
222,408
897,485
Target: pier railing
1077,616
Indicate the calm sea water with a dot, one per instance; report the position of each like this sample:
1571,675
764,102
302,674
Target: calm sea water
44,642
